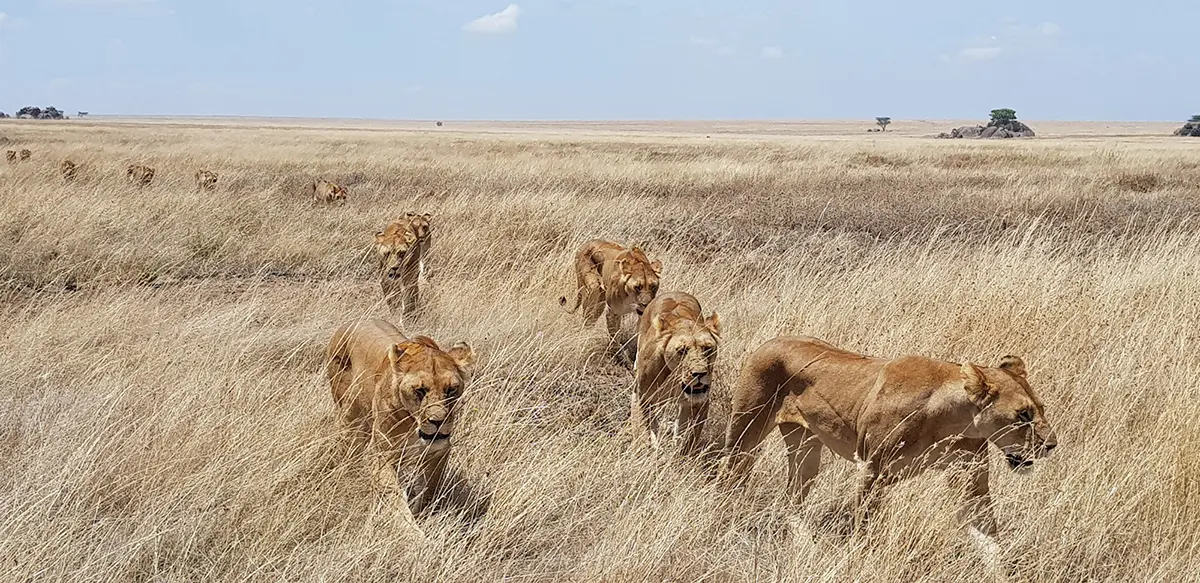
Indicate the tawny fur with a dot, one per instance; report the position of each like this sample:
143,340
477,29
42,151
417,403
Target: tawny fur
677,351
614,281
897,417
397,397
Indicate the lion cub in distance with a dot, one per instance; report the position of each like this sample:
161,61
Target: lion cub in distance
676,352
398,395
614,281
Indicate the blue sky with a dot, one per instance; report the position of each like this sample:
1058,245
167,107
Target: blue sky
604,59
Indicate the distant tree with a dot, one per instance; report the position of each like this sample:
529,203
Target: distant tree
439,124
1195,118
1003,115
883,123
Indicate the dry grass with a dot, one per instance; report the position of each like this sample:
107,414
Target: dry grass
163,415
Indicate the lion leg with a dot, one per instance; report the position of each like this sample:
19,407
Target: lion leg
872,484
409,297
749,425
590,297
804,458
645,420
429,480
690,424
975,513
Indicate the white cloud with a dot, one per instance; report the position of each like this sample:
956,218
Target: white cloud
771,53
704,42
501,22
979,53
1049,29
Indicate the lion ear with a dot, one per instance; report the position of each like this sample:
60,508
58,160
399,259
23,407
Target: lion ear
656,265
1013,364
409,215
410,237
714,323
463,355
427,216
379,237
403,349
975,385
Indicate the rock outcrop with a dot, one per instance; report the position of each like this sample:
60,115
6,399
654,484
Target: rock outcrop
1191,128
994,130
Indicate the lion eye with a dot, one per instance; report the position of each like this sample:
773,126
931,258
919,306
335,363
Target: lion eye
1025,416
421,392
637,288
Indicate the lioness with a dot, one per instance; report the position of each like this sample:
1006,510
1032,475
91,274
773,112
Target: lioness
25,154
139,174
325,191
206,180
895,417
397,396
399,252
677,349
419,225
68,170
609,275
11,156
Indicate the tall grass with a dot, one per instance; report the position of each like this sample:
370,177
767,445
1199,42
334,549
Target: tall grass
164,416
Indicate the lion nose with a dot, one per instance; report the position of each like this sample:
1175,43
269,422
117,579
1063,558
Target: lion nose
696,376
437,422
1049,446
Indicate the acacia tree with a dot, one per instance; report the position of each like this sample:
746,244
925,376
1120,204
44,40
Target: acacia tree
1195,118
1003,115
883,123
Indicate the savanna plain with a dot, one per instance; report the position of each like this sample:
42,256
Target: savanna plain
164,414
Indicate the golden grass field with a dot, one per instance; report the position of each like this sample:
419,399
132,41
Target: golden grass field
164,414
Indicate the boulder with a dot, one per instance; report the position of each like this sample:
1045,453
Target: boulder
1190,128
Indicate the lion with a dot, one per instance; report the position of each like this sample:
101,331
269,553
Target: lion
206,180
325,191
896,418
677,349
68,170
139,174
610,276
397,397
26,154
11,156
420,226
400,249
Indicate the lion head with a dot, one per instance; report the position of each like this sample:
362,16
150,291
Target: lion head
418,224
1010,415
688,344
392,245
68,169
325,191
638,278
206,179
139,174
428,382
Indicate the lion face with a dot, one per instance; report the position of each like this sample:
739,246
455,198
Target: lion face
639,276
1010,415
326,191
206,179
429,382
690,350
418,224
392,245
